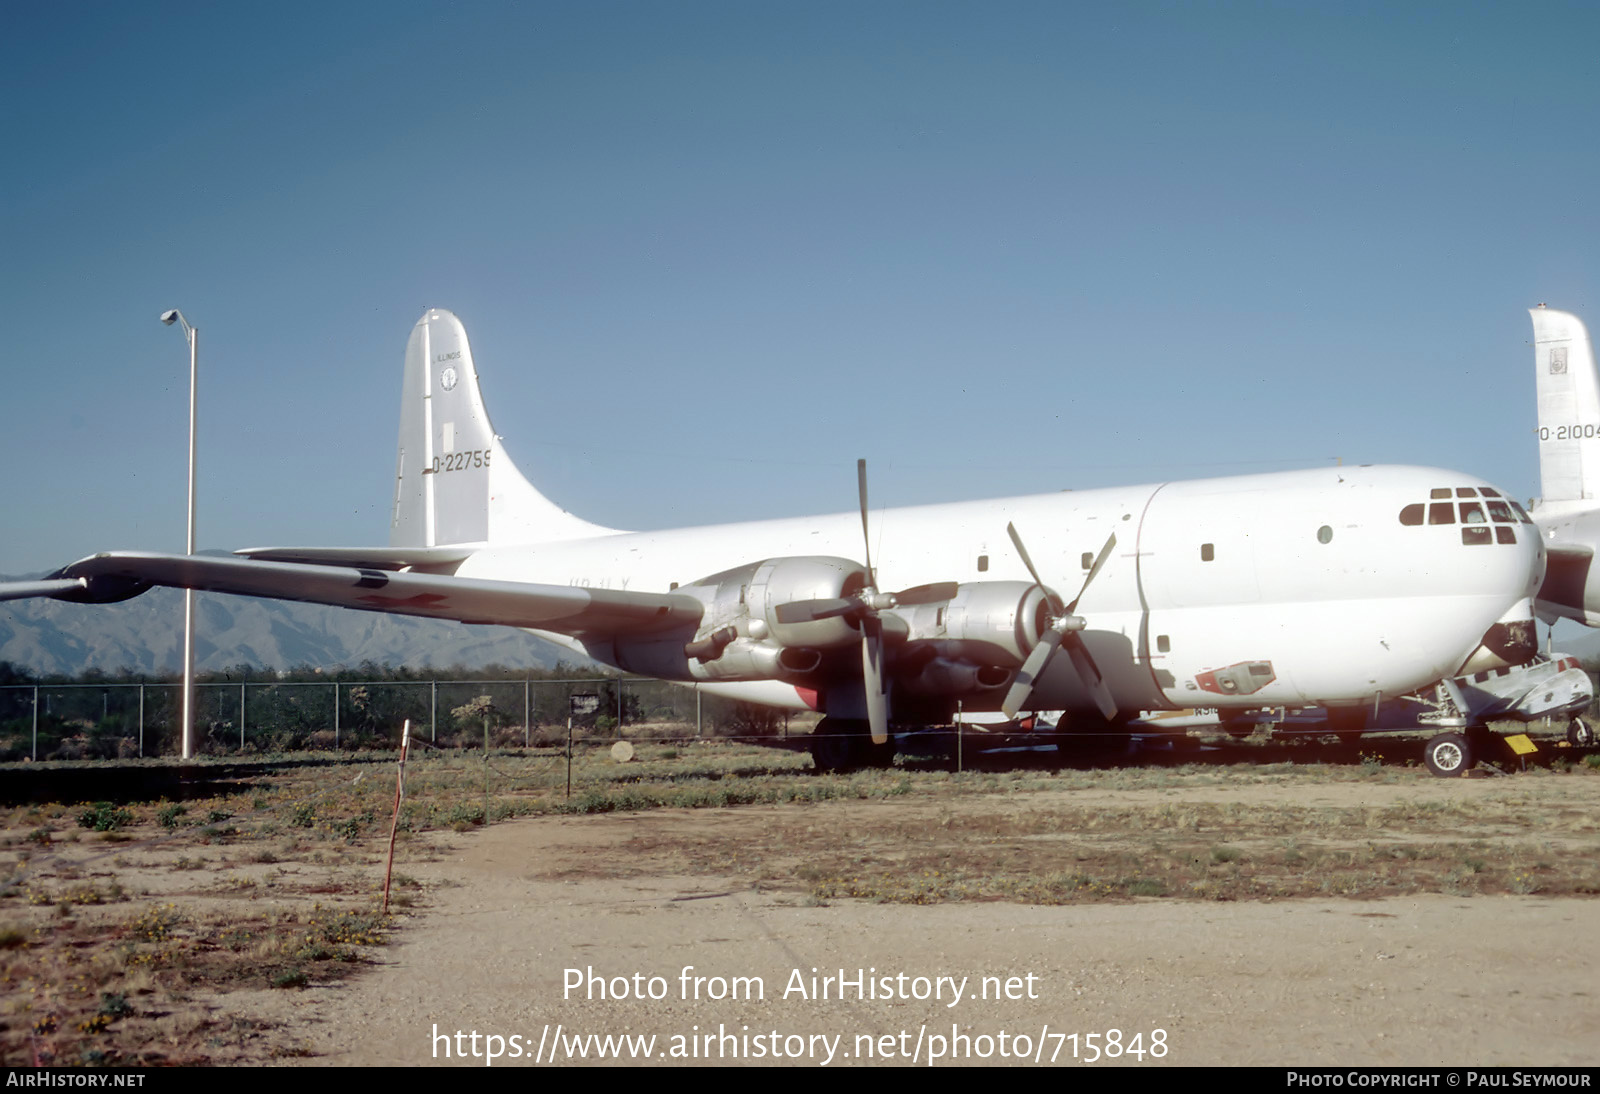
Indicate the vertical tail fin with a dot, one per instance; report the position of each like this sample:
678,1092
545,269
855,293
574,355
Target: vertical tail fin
454,482
1569,413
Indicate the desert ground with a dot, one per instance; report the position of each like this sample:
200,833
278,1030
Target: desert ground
705,903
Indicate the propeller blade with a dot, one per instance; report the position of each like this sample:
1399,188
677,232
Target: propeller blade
866,539
1016,541
872,679
1022,687
806,611
1089,676
1105,553
928,594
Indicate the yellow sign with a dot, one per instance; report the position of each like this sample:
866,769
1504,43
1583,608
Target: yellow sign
1521,745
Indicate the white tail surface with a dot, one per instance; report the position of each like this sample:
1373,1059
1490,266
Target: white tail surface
454,482
1569,413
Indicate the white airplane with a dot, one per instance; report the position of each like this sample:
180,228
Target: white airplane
1339,587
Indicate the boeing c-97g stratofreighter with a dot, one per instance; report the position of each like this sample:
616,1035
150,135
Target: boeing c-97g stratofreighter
1341,587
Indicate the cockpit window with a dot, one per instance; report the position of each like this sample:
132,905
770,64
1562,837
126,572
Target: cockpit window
1466,492
1521,515
1441,512
1489,492
1472,513
1475,536
1411,514
1439,492
1500,512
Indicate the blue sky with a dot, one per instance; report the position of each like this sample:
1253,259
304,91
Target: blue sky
709,254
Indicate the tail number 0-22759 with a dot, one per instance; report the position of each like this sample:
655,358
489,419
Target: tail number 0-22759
461,461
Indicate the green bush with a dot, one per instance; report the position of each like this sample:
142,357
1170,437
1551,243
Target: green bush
104,817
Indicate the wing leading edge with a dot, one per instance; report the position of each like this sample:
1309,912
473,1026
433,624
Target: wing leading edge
575,611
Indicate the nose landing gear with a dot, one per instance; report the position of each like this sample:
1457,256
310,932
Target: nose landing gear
1450,755
1580,734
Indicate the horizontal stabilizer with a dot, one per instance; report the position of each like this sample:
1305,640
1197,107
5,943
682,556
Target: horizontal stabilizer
431,559
561,609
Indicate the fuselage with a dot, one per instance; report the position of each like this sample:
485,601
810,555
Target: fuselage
1280,589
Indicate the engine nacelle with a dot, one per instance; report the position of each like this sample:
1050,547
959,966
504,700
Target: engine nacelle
740,636
992,623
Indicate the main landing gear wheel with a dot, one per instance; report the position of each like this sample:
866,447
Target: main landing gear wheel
1237,728
844,744
1449,755
1580,734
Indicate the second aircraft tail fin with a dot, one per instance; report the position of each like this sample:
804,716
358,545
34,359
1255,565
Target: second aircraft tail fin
1569,413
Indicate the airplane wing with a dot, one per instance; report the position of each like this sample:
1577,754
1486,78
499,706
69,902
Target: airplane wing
559,608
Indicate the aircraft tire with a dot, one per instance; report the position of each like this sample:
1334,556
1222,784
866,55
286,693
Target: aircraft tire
1449,755
843,745
880,756
831,746
1580,734
1238,728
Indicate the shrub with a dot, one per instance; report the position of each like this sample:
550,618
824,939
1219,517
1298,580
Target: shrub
104,817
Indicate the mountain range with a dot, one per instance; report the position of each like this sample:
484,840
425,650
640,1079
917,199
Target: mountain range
145,634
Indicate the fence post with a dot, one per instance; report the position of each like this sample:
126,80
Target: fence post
141,721
527,712
36,723
698,731
336,715
433,710
241,717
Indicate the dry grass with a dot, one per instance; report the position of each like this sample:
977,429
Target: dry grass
124,924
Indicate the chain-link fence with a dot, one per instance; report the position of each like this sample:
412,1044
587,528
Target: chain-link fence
75,721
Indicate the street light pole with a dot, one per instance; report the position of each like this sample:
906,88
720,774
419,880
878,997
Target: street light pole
193,335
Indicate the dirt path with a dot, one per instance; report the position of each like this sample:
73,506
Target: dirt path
1422,980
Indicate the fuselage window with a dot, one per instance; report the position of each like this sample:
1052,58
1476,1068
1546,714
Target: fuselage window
1472,513
1207,552
1325,534
1411,514
1163,643
1088,559
1439,492
1466,492
1441,512
1505,535
1499,512
1476,535
983,564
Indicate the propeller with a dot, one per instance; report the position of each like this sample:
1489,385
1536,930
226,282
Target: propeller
1063,630
871,630
862,608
